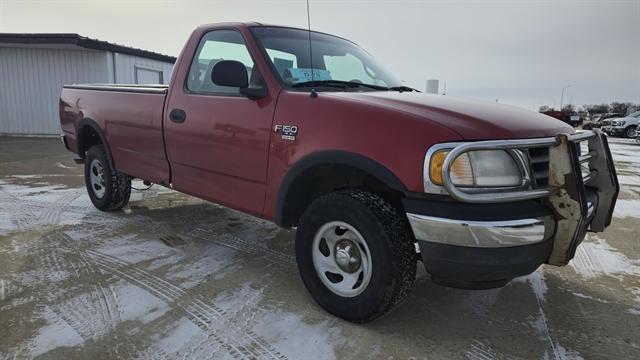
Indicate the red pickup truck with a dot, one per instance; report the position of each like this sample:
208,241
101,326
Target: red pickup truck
374,175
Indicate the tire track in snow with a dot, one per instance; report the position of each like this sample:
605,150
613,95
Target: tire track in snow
480,351
92,313
585,263
12,207
52,215
243,343
88,313
244,245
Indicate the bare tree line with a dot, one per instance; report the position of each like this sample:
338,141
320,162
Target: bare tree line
623,108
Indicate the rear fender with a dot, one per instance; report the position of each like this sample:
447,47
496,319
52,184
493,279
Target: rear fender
81,141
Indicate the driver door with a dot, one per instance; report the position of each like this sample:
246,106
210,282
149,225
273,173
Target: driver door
217,139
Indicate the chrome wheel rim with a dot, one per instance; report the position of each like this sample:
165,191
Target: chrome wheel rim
342,259
96,178
631,133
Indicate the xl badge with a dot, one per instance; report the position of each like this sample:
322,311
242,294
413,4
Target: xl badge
288,132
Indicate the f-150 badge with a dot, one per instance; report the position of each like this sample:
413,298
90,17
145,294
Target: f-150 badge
288,132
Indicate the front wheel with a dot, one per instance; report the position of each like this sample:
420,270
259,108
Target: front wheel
108,189
630,132
355,254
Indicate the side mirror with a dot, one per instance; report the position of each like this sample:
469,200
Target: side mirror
230,73
254,93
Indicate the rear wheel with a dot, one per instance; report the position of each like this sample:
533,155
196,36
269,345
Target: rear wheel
355,254
108,189
630,132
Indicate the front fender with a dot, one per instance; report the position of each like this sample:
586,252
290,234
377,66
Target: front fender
333,157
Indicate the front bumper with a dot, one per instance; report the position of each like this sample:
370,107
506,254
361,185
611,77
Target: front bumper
472,243
481,234
613,130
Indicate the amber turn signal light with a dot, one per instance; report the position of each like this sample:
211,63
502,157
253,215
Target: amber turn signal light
435,167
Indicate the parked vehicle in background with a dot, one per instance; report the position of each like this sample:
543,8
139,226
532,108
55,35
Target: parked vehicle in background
625,126
372,174
575,119
607,123
572,118
598,121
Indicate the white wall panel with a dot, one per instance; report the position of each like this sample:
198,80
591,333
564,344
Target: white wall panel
31,81
125,68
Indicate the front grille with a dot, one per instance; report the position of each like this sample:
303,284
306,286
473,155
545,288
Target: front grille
539,160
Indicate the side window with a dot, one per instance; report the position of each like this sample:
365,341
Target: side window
215,46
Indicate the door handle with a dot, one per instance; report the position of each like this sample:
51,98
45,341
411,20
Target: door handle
178,115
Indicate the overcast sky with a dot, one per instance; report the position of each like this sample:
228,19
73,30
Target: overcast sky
520,52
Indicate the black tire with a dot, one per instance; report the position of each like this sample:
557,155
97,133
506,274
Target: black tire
117,186
630,132
391,245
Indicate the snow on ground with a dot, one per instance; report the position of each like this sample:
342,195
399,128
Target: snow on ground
541,321
595,257
629,180
297,339
131,307
625,151
56,333
234,318
627,208
133,249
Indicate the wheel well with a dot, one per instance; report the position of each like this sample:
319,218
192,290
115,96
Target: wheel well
87,137
323,179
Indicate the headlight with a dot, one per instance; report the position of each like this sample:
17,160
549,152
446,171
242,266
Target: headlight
484,168
618,123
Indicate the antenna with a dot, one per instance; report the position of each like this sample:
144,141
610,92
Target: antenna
313,90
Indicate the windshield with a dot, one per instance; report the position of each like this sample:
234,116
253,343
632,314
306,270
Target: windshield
334,59
634,115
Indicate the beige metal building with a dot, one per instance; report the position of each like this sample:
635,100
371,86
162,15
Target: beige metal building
33,68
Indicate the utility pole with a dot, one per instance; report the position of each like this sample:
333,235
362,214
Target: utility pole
562,96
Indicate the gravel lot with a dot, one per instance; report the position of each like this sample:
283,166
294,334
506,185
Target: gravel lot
172,276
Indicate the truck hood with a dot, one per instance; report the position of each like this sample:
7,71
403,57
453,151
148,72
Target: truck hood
471,119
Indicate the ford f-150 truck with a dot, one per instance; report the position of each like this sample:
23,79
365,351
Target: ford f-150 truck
374,175
626,126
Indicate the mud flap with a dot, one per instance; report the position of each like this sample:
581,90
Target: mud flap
569,202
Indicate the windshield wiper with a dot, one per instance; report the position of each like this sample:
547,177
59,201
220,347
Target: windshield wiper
338,84
402,88
350,84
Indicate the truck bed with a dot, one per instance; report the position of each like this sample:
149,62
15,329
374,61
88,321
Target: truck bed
130,117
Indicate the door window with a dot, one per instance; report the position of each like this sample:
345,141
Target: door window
215,46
